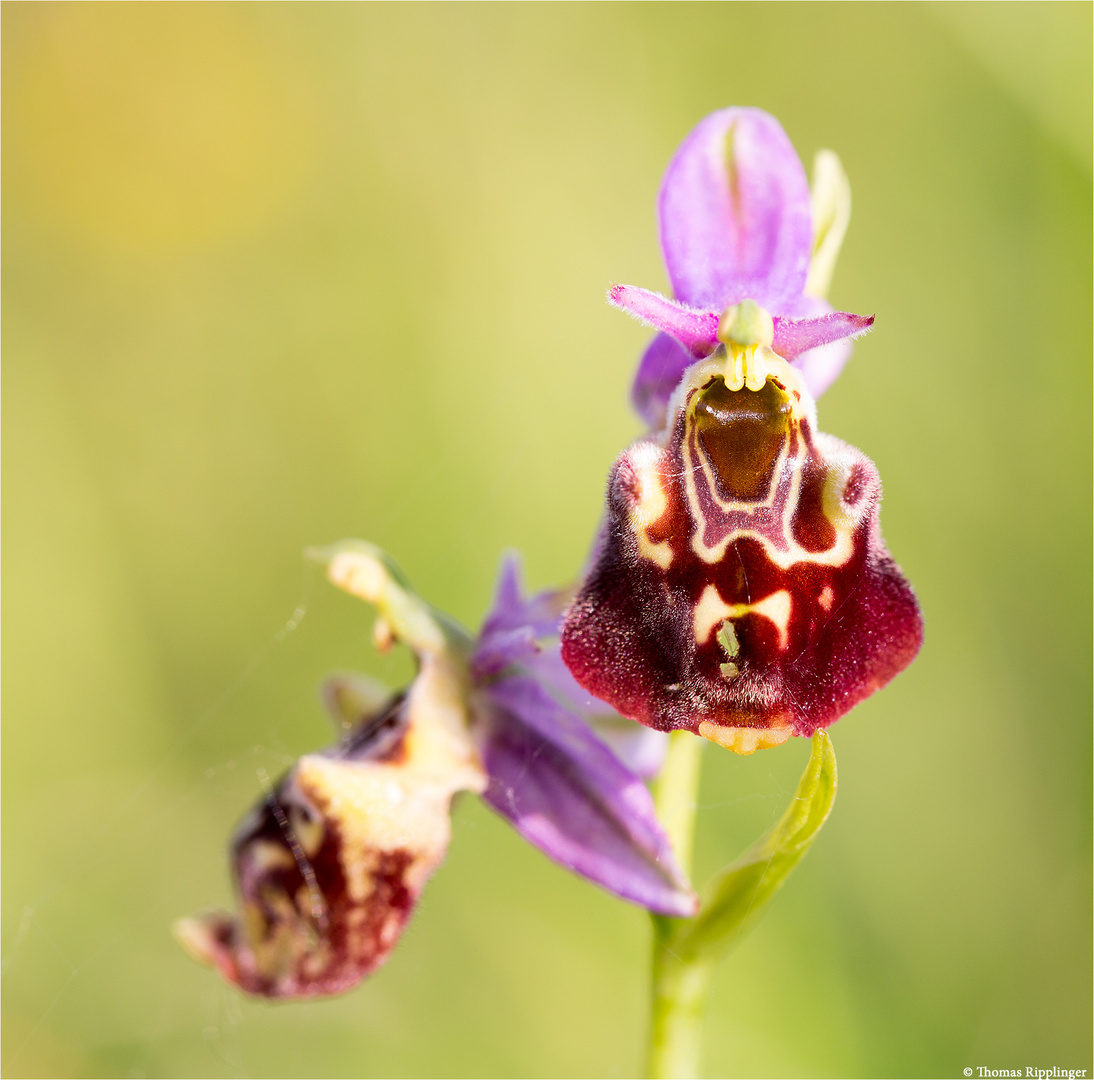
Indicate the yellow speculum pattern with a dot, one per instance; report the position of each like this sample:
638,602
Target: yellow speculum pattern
743,368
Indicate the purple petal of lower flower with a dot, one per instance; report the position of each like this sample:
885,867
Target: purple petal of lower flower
735,214
565,792
512,610
795,336
639,748
501,649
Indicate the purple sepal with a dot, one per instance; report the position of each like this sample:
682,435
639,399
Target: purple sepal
510,630
512,611
796,336
659,373
735,214
568,794
524,632
820,367
640,749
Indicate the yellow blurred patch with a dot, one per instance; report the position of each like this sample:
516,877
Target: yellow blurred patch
31,1048
151,127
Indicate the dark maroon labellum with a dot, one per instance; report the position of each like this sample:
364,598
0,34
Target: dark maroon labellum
743,590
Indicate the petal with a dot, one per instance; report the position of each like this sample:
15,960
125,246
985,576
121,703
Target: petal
565,792
659,373
638,748
696,330
735,214
795,336
744,591
819,366
831,209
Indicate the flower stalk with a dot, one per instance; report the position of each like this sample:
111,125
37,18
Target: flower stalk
686,950
678,990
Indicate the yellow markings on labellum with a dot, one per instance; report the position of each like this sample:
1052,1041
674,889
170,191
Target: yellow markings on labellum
401,804
711,611
776,609
844,516
650,502
764,462
377,808
826,598
745,740
266,855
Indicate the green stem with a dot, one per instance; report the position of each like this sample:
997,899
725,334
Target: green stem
678,988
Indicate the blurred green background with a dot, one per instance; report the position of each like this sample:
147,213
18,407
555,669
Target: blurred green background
278,275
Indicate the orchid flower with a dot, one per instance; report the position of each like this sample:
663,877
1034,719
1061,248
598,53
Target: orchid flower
330,863
738,222
742,590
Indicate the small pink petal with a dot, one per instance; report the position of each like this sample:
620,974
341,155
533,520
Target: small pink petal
794,336
697,331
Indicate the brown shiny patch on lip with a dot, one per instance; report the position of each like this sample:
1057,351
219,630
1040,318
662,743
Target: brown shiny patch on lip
742,432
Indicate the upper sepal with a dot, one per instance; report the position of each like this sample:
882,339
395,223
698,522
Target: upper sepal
739,221
735,213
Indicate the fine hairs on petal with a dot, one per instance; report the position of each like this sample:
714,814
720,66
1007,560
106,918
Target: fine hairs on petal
696,330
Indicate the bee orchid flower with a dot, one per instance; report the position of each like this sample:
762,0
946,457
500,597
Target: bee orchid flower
330,863
741,589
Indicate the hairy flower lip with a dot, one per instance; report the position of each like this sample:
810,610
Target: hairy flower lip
742,617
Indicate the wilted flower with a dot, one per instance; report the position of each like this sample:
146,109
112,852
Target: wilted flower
329,865
742,589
